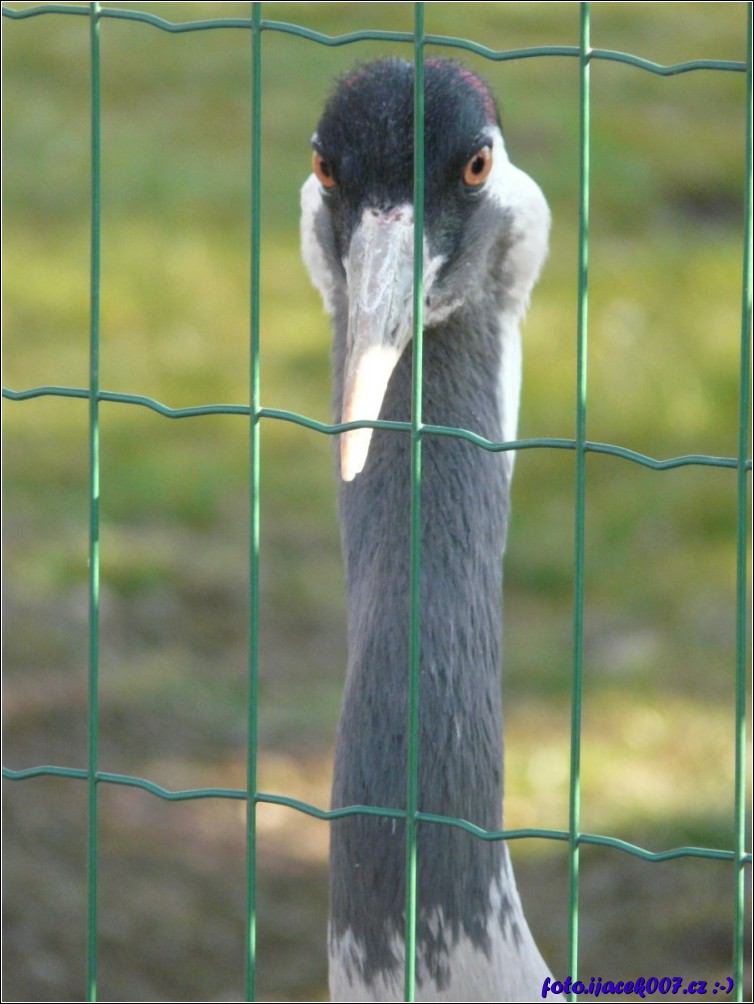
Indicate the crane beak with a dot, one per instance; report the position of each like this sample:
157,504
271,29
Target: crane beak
379,272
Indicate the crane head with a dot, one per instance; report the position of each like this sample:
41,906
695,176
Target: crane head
358,220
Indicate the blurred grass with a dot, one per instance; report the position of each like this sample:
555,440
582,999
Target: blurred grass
667,182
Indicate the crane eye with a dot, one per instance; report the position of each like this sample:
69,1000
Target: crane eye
323,170
478,167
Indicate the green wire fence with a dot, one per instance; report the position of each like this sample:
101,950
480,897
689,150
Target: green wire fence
256,414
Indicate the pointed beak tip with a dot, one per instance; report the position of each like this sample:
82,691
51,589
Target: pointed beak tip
354,447
347,471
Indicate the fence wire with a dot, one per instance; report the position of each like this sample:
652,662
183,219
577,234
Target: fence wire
257,26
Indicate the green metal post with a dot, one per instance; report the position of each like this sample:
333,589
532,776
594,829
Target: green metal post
578,602
742,523
412,736
254,448
94,514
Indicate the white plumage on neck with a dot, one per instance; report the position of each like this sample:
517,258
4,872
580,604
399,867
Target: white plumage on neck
512,970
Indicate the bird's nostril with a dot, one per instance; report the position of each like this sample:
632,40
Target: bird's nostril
388,213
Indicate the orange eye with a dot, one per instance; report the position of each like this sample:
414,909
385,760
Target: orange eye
323,171
478,167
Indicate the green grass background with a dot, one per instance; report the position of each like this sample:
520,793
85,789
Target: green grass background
664,336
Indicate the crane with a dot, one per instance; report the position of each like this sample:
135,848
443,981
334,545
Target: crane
486,226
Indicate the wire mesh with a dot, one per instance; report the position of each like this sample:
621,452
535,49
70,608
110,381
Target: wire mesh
575,838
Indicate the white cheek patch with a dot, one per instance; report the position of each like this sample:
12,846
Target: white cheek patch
311,251
516,192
